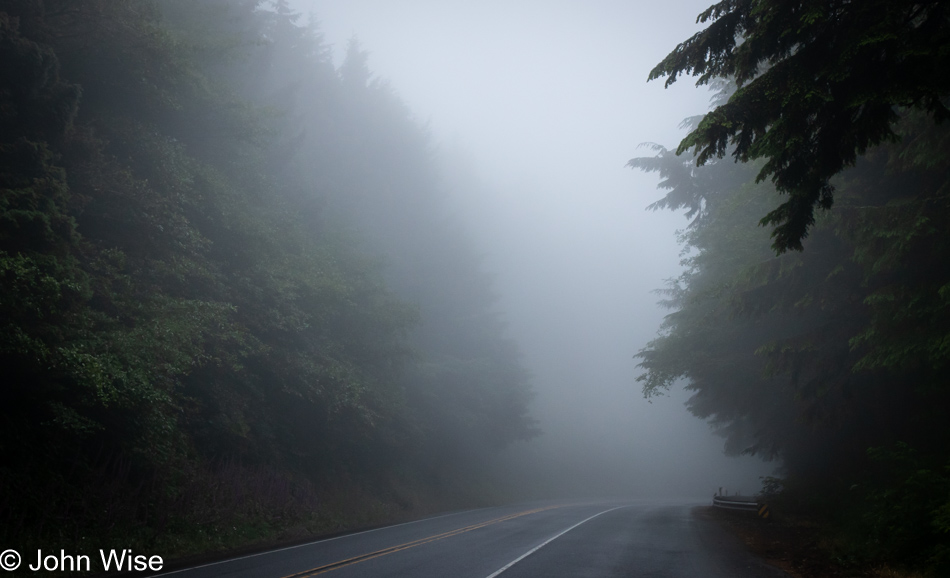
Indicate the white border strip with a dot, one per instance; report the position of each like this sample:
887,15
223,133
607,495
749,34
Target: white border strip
546,542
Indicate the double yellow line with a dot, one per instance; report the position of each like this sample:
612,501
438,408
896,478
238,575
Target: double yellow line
407,545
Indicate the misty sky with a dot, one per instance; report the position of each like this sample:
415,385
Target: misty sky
537,106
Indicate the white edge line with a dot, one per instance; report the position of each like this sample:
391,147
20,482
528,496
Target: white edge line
308,544
546,542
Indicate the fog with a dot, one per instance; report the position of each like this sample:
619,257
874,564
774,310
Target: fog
535,107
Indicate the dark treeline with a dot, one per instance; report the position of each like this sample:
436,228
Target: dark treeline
232,301
828,351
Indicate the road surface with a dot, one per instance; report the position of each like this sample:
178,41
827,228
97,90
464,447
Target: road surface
648,538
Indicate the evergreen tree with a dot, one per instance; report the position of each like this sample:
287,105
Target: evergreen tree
819,84
831,359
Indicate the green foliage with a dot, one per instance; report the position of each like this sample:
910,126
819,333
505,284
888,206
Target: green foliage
901,505
819,84
813,357
186,286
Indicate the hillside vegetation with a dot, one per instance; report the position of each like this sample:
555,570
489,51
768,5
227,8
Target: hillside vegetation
234,306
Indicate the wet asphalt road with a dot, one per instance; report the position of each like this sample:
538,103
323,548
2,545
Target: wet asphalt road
634,538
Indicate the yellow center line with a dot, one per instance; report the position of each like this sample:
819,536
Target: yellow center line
407,545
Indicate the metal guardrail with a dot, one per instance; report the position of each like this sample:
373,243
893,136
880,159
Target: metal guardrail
736,503
741,503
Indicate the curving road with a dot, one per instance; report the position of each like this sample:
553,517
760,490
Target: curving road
649,538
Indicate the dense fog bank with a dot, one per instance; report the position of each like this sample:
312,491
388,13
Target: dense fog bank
534,132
